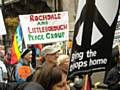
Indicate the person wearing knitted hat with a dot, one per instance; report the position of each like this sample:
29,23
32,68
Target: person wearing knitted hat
24,68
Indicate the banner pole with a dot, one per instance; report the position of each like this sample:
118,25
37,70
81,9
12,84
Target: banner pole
66,47
86,82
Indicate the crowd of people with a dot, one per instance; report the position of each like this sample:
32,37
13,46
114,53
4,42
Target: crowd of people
51,74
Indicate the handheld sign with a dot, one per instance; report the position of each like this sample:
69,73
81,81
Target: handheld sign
45,27
93,35
2,25
24,72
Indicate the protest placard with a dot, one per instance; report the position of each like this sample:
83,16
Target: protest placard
45,27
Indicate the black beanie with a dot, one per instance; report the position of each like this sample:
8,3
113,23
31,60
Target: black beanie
25,51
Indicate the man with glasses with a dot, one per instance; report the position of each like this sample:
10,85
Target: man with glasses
50,54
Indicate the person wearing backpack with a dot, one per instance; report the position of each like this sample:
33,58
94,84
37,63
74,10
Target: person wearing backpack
24,67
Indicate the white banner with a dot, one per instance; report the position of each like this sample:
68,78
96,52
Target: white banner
45,27
2,25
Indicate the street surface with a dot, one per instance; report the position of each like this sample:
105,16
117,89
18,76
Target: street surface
98,77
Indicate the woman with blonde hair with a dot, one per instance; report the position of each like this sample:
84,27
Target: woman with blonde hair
63,61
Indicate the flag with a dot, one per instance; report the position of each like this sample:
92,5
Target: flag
17,46
38,51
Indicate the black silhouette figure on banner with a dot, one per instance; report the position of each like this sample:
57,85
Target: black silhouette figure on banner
95,34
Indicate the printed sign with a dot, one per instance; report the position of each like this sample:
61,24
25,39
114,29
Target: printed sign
2,25
24,72
45,27
93,35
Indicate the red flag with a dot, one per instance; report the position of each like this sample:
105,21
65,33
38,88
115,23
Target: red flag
39,46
